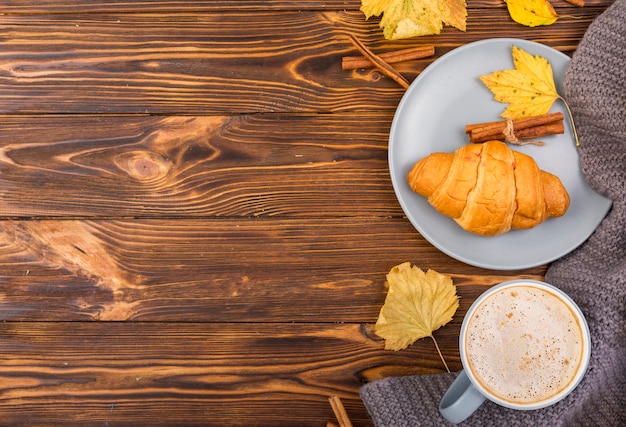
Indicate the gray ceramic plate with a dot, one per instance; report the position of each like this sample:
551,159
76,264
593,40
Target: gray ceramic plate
432,116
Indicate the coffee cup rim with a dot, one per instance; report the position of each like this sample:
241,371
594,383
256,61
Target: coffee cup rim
586,344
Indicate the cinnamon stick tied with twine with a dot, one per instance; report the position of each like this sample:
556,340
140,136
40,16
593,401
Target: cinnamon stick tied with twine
379,63
514,131
354,62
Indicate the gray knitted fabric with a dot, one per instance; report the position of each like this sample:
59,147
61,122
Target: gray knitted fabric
594,275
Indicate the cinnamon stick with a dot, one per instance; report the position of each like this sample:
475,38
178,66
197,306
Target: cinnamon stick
339,411
482,132
385,68
354,62
540,131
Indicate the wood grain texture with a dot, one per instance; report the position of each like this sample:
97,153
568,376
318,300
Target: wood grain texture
89,6
211,63
214,270
194,373
261,165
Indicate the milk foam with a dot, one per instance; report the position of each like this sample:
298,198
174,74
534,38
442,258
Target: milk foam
524,344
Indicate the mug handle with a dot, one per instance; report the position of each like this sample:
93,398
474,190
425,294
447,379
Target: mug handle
460,400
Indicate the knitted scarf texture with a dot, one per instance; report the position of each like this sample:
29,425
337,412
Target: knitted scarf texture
594,274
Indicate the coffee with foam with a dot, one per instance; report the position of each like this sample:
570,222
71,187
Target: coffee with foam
524,344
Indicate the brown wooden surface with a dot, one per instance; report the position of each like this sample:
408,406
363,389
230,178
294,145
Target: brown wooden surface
196,215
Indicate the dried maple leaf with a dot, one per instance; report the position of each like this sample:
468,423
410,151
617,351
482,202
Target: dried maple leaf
411,18
417,304
532,12
528,89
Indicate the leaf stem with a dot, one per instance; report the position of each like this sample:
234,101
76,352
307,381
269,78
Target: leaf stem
571,119
440,355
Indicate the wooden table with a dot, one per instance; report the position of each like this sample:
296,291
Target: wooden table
196,210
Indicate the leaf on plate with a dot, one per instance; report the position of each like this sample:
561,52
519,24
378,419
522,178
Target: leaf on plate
532,12
416,305
411,18
529,89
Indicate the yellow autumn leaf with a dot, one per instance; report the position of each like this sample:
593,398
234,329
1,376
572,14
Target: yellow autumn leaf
529,89
411,18
417,304
531,12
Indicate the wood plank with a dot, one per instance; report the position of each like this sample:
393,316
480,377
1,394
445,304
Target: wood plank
110,373
215,270
261,165
211,63
173,6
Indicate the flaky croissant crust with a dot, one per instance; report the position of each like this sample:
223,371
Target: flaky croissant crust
489,189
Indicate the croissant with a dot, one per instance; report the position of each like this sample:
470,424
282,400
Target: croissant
489,189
